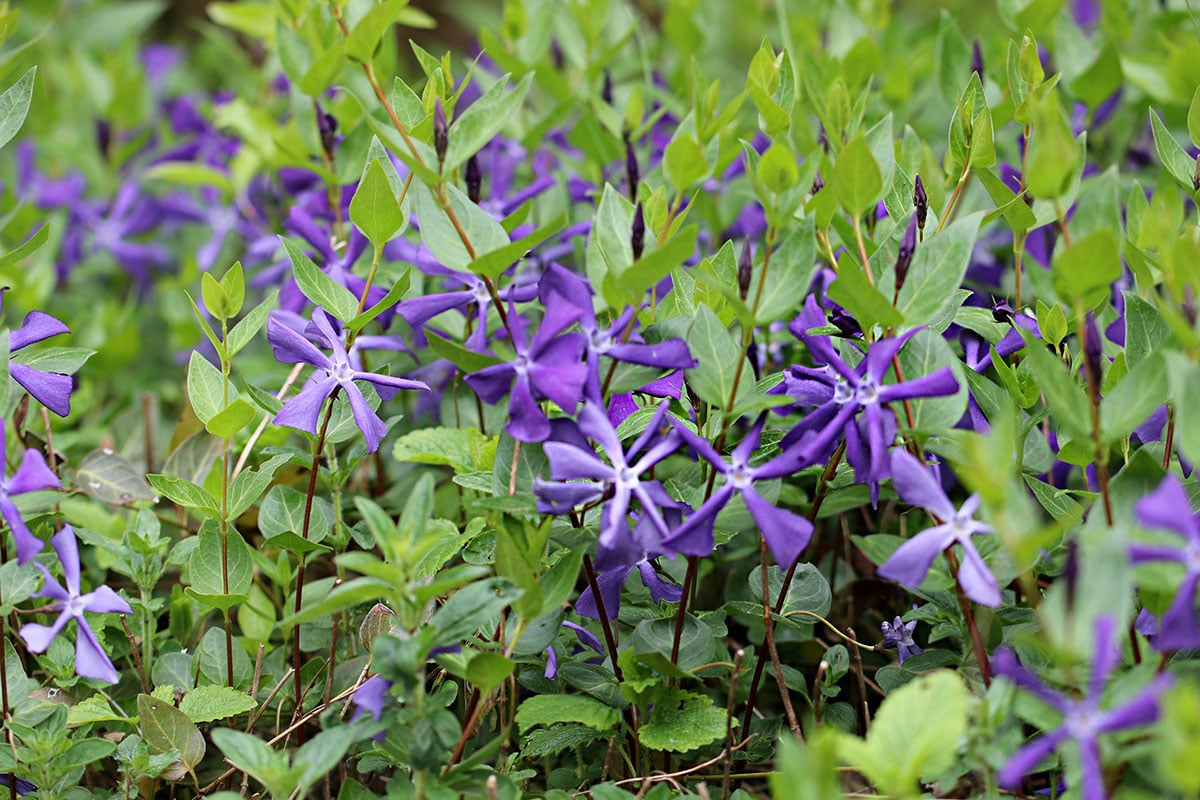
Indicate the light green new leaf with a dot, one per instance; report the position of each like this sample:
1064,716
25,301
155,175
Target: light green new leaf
1087,268
484,119
368,33
211,703
374,208
857,181
868,305
1181,166
679,721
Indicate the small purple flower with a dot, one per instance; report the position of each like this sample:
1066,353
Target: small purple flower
1083,719
786,532
90,659
584,636
24,787
31,476
546,367
911,562
1167,507
301,412
899,635
369,698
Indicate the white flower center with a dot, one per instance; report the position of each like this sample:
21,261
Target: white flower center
867,391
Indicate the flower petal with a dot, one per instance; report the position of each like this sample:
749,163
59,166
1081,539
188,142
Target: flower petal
786,532
90,659
916,485
911,562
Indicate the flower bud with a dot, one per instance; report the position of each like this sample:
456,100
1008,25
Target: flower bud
920,203
1002,312
904,256
818,183
473,179
977,60
441,130
637,237
607,88
1093,354
632,175
1196,177
327,128
745,269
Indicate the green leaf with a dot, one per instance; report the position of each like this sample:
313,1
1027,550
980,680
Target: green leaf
92,709
470,609
166,728
915,734
488,670
204,566
1052,322
211,703
681,721
319,287
294,543
374,208
683,161
657,265
282,511
857,181
387,302
27,247
463,449
443,239
1184,377
1134,398
249,485
497,261
938,267
183,173
1193,119
777,168
658,635
323,71
925,353
14,106
205,387
1181,166
184,493
868,305
717,353
1019,216
249,753
1145,328
248,327
459,356
322,753
232,419
107,476
367,34
1053,159
476,126
19,582
1064,395
1087,268
808,591
551,709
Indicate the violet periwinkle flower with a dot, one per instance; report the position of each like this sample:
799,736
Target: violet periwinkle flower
899,636
24,787
547,367
852,401
584,636
51,389
116,228
90,659
786,532
370,697
1167,507
33,475
578,475
916,485
619,341
301,412
1083,719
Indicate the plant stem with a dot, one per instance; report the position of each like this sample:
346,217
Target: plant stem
308,506
4,707
223,523
972,628
769,636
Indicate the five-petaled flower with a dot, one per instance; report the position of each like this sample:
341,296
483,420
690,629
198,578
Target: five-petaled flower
899,635
909,564
301,412
1083,719
90,659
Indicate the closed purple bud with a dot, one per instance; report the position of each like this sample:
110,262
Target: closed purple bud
1093,354
637,237
1189,305
606,88
473,179
632,175
904,256
441,130
1196,177
920,203
818,183
103,137
1071,571
327,128
1002,312
745,268
977,60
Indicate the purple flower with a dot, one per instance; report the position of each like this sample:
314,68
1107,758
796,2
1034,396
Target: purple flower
31,476
1083,719
301,412
899,635
852,401
51,389
910,563
546,367
1167,507
584,636
786,532
90,659
572,458
24,787
370,697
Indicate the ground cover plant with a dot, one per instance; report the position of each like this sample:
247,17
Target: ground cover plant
599,398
